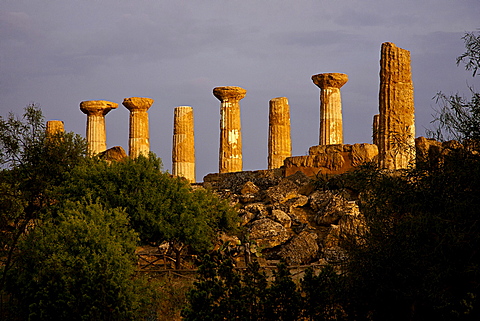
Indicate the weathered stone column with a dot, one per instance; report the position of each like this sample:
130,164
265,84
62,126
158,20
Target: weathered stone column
331,127
396,133
139,137
55,126
279,140
183,151
230,158
96,132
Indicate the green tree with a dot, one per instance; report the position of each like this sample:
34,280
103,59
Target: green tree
282,300
418,258
78,264
160,207
32,165
323,294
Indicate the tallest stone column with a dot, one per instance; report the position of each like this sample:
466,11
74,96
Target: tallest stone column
230,158
139,137
331,125
96,131
396,124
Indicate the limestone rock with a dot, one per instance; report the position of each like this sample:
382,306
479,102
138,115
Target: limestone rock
330,207
288,188
258,209
249,188
267,233
301,249
116,153
245,217
362,153
281,217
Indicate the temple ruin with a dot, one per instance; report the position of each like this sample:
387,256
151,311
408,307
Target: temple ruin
393,129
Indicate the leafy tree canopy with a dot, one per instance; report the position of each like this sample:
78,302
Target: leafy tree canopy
160,207
78,265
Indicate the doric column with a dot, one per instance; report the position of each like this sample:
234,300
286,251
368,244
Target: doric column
279,140
396,134
96,132
230,158
55,126
331,127
139,137
183,151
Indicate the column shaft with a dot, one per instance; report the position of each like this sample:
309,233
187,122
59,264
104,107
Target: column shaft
230,158
55,126
183,151
331,124
279,139
96,131
396,134
139,136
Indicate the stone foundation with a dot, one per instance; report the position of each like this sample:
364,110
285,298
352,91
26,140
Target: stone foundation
331,159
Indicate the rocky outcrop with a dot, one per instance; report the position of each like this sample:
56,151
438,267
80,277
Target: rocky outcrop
286,217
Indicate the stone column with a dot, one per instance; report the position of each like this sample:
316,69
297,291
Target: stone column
230,158
331,127
396,133
55,126
183,151
279,141
139,137
96,132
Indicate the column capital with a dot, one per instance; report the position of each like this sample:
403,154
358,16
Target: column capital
229,92
137,103
330,80
97,107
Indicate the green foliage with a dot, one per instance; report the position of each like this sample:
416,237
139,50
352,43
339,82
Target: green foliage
472,52
222,292
459,118
323,294
33,164
160,207
282,301
418,257
78,265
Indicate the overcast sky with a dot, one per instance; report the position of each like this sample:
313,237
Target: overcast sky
58,53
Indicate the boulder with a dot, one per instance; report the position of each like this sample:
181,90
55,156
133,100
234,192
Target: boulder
301,249
288,188
281,217
268,233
